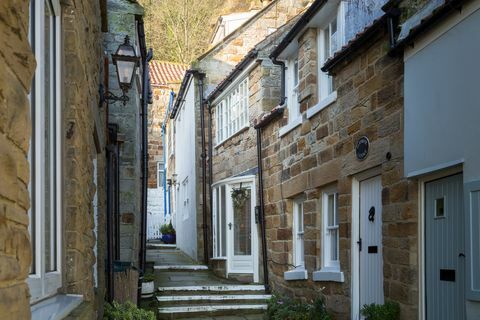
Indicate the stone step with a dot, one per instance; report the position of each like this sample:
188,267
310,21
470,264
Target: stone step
161,246
188,268
187,312
212,289
213,299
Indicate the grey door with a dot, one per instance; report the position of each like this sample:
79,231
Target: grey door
444,249
370,242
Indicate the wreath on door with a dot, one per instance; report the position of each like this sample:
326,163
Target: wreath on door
239,197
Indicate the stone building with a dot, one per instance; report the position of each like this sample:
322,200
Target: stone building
53,133
207,72
165,81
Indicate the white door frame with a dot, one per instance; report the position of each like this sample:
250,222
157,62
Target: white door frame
254,229
421,231
355,265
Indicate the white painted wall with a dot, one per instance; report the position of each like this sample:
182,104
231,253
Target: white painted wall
185,165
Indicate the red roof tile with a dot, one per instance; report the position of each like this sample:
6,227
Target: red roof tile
164,73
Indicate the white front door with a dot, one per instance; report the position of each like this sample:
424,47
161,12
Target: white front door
370,242
242,230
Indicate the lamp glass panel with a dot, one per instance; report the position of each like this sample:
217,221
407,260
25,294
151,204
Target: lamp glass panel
125,71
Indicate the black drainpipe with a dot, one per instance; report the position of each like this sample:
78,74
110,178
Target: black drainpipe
273,114
143,221
200,76
210,160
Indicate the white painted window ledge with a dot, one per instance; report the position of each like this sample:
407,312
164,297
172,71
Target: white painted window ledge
290,126
328,275
331,98
56,308
295,274
218,258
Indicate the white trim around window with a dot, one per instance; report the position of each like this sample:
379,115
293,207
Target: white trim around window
298,255
330,270
45,155
232,114
292,81
160,174
330,39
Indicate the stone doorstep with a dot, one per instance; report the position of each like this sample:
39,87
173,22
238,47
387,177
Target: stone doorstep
216,288
181,267
161,246
212,309
229,297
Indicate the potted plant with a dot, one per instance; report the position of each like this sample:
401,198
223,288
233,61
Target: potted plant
147,285
168,233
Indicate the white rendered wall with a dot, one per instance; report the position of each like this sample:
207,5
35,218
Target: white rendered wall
185,163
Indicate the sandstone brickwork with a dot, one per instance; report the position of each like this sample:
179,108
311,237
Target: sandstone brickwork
84,141
18,65
320,152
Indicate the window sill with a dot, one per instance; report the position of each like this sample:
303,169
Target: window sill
218,258
245,128
290,126
331,98
295,274
328,275
57,307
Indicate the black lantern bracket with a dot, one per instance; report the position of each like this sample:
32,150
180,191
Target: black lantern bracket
109,97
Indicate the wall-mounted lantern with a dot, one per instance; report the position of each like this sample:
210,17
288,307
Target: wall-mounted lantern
126,63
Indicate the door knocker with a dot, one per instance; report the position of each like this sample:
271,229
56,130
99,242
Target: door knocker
371,214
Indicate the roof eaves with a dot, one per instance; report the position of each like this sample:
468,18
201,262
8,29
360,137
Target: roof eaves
181,92
233,75
298,27
232,35
427,22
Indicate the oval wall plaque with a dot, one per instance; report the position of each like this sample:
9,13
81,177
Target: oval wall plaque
361,148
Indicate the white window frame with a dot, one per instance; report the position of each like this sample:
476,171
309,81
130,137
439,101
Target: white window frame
299,271
232,112
326,91
330,270
219,246
160,168
298,234
44,284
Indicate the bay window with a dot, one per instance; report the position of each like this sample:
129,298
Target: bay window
45,152
232,112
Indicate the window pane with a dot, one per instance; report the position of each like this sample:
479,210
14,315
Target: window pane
440,208
331,210
334,244
223,229
326,47
242,215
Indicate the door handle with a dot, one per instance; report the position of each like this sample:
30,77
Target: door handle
230,226
359,242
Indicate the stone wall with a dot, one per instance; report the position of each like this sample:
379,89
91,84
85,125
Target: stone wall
122,22
320,152
84,141
18,65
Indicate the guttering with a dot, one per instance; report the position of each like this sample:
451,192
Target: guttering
143,221
181,92
426,23
298,27
239,68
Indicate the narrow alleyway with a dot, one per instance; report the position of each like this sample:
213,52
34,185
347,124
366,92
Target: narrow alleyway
186,290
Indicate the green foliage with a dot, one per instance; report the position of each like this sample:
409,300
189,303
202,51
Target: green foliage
167,229
282,308
240,197
148,277
387,311
126,311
